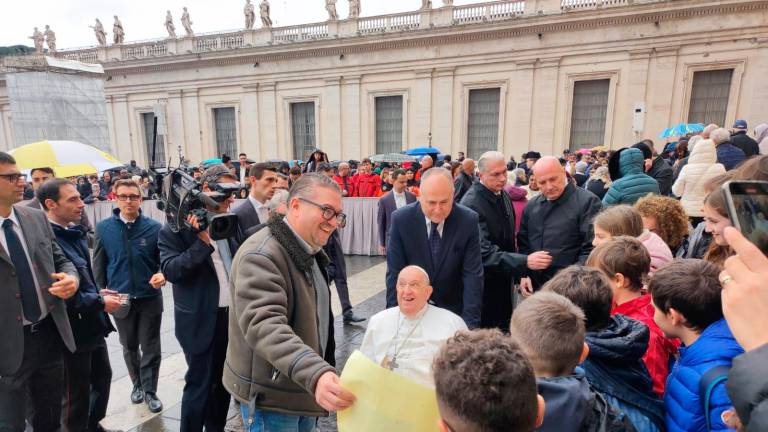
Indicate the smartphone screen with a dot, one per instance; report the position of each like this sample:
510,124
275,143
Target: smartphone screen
747,203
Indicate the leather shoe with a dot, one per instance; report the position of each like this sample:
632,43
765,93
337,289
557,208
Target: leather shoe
137,395
153,403
349,317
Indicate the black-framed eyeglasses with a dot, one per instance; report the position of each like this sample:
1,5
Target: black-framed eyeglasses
13,178
329,212
129,197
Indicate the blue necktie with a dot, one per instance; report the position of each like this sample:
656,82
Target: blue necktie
434,244
29,299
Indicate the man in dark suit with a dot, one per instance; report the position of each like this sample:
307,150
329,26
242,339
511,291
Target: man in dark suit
444,239
199,267
253,211
399,197
34,328
464,180
88,374
242,166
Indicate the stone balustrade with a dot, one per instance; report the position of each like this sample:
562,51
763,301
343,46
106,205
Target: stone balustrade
422,19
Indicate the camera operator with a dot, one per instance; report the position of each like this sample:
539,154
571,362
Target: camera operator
198,267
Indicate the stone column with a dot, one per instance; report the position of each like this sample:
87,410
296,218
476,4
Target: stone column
544,105
518,132
662,73
638,85
268,121
330,118
123,140
350,118
756,100
193,129
442,114
249,123
174,119
420,123
6,140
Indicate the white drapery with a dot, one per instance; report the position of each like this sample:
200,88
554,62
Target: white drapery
225,124
303,127
589,110
148,121
483,121
389,124
709,96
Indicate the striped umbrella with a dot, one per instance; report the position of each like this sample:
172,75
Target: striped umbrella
67,158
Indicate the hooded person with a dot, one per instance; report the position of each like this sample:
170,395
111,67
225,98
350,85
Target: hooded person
630,183
656,166
702,166
761,136
315,159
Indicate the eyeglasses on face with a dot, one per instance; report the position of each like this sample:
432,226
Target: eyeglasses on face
129,197
329,212
13,178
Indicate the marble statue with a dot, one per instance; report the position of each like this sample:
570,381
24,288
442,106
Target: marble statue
187,23
118,34
169,25
426,4
354,8
266,21
250,15
101,35
50,39
38,39
330,6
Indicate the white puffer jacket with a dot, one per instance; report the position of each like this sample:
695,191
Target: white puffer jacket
702,166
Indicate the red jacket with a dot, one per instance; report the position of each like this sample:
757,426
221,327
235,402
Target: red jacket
349,186
660,348
367,185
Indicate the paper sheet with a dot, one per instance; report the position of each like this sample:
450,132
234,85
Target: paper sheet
386,401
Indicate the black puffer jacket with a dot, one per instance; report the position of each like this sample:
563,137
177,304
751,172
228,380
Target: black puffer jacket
748,388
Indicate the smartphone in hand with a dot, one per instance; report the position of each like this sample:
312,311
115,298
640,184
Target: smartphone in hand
747,204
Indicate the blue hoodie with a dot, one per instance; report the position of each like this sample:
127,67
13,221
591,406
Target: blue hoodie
633,183
685,410
572,406
615,368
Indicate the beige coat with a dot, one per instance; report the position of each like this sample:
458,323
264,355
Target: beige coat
273,361
702,166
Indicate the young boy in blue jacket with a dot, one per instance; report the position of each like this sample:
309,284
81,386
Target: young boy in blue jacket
686,295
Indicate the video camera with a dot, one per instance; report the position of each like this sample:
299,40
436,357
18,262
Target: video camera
182,195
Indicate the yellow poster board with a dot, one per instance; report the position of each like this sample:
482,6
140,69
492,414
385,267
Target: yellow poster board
386,401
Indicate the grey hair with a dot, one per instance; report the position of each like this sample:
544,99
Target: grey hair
719,136
343,164
307,183
435,171
280,197
421,270
489,156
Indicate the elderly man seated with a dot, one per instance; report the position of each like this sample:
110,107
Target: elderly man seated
405,339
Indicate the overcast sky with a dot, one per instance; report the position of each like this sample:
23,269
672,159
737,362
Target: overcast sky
144,19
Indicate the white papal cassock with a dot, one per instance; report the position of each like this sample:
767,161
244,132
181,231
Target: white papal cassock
411,342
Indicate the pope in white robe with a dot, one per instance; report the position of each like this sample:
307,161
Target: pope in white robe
406,338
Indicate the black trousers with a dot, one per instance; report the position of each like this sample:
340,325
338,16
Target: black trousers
141,330
205,401
87,380
337,270
38,382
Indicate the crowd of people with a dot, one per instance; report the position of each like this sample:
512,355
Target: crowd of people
593,290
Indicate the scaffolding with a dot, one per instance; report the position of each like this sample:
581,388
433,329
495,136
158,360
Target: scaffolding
57,99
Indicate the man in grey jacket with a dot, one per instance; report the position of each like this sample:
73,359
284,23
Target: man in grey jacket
281,350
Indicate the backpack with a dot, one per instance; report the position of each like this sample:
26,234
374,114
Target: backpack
709,381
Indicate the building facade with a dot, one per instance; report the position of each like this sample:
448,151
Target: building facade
510,75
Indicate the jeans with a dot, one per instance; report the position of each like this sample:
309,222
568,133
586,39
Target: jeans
268,421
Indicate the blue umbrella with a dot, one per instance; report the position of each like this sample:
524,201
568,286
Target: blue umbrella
420,151
681,130
207,162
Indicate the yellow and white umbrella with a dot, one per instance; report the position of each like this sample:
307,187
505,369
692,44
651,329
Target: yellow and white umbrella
67,158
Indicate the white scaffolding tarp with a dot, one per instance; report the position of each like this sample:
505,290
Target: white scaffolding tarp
58,106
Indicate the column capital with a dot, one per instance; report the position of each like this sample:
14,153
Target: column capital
267,86
352,79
